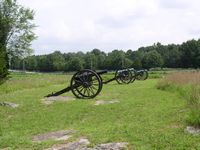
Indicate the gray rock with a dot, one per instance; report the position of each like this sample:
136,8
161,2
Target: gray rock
80,144
192,130
9,104
112,146
102,102
50,100
57,136
8,148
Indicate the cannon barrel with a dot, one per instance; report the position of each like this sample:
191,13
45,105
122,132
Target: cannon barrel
90,74
102,72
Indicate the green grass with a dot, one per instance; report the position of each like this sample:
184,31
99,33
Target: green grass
146,118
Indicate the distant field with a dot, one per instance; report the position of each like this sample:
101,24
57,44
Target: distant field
146,117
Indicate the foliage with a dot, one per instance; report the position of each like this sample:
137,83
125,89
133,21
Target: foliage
3,63
75,64
16,31
152,59
190,54
158,55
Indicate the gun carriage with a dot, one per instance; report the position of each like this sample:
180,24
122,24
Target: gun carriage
88,83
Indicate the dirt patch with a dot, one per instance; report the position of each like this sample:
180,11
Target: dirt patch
50,100
103,102
192,130
9,104
58,135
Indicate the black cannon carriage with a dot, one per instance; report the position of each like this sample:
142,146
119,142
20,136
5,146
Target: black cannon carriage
88,83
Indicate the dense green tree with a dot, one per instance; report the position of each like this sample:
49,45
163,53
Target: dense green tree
115,60
137,63
57,61
3,62
152,59
157,55
90,61
31,63
75,64
127,63
190,54
99,58
172,58
15,32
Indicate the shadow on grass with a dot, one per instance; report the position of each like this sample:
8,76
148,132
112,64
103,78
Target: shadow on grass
3,80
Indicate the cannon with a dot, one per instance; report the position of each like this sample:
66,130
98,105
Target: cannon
138,74
142,74
124,76
88,83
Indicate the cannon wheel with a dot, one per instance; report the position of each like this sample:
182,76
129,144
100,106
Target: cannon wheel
86,84
142,75
123,76
117,77
134,74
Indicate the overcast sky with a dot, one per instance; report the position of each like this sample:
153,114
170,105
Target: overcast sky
82,25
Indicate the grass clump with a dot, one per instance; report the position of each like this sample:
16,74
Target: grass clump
188,85
194,106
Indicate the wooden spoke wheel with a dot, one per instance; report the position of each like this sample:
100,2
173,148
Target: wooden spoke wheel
134,74
142,75
86,84
118,77
123,76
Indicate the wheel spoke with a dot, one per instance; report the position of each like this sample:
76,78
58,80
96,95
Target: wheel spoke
91,90
94,87
80,90
80,79
84,91
77,81
88,91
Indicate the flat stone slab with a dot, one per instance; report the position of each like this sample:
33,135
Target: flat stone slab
103,102
9,104
192,130
57,136
8,148
80,144
111,146
50,100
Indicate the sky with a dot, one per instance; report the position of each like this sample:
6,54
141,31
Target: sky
82,25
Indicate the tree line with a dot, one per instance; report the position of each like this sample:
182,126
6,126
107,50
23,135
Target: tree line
185,55
16,35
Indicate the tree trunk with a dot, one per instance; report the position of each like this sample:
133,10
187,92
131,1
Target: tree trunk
3,62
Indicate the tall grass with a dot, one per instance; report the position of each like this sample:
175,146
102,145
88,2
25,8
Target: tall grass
188,84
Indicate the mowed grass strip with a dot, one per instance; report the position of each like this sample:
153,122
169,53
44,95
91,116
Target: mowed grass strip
146,118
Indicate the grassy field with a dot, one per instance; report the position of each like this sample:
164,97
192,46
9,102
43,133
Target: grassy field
146,117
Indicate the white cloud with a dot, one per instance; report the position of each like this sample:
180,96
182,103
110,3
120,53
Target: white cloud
73,25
